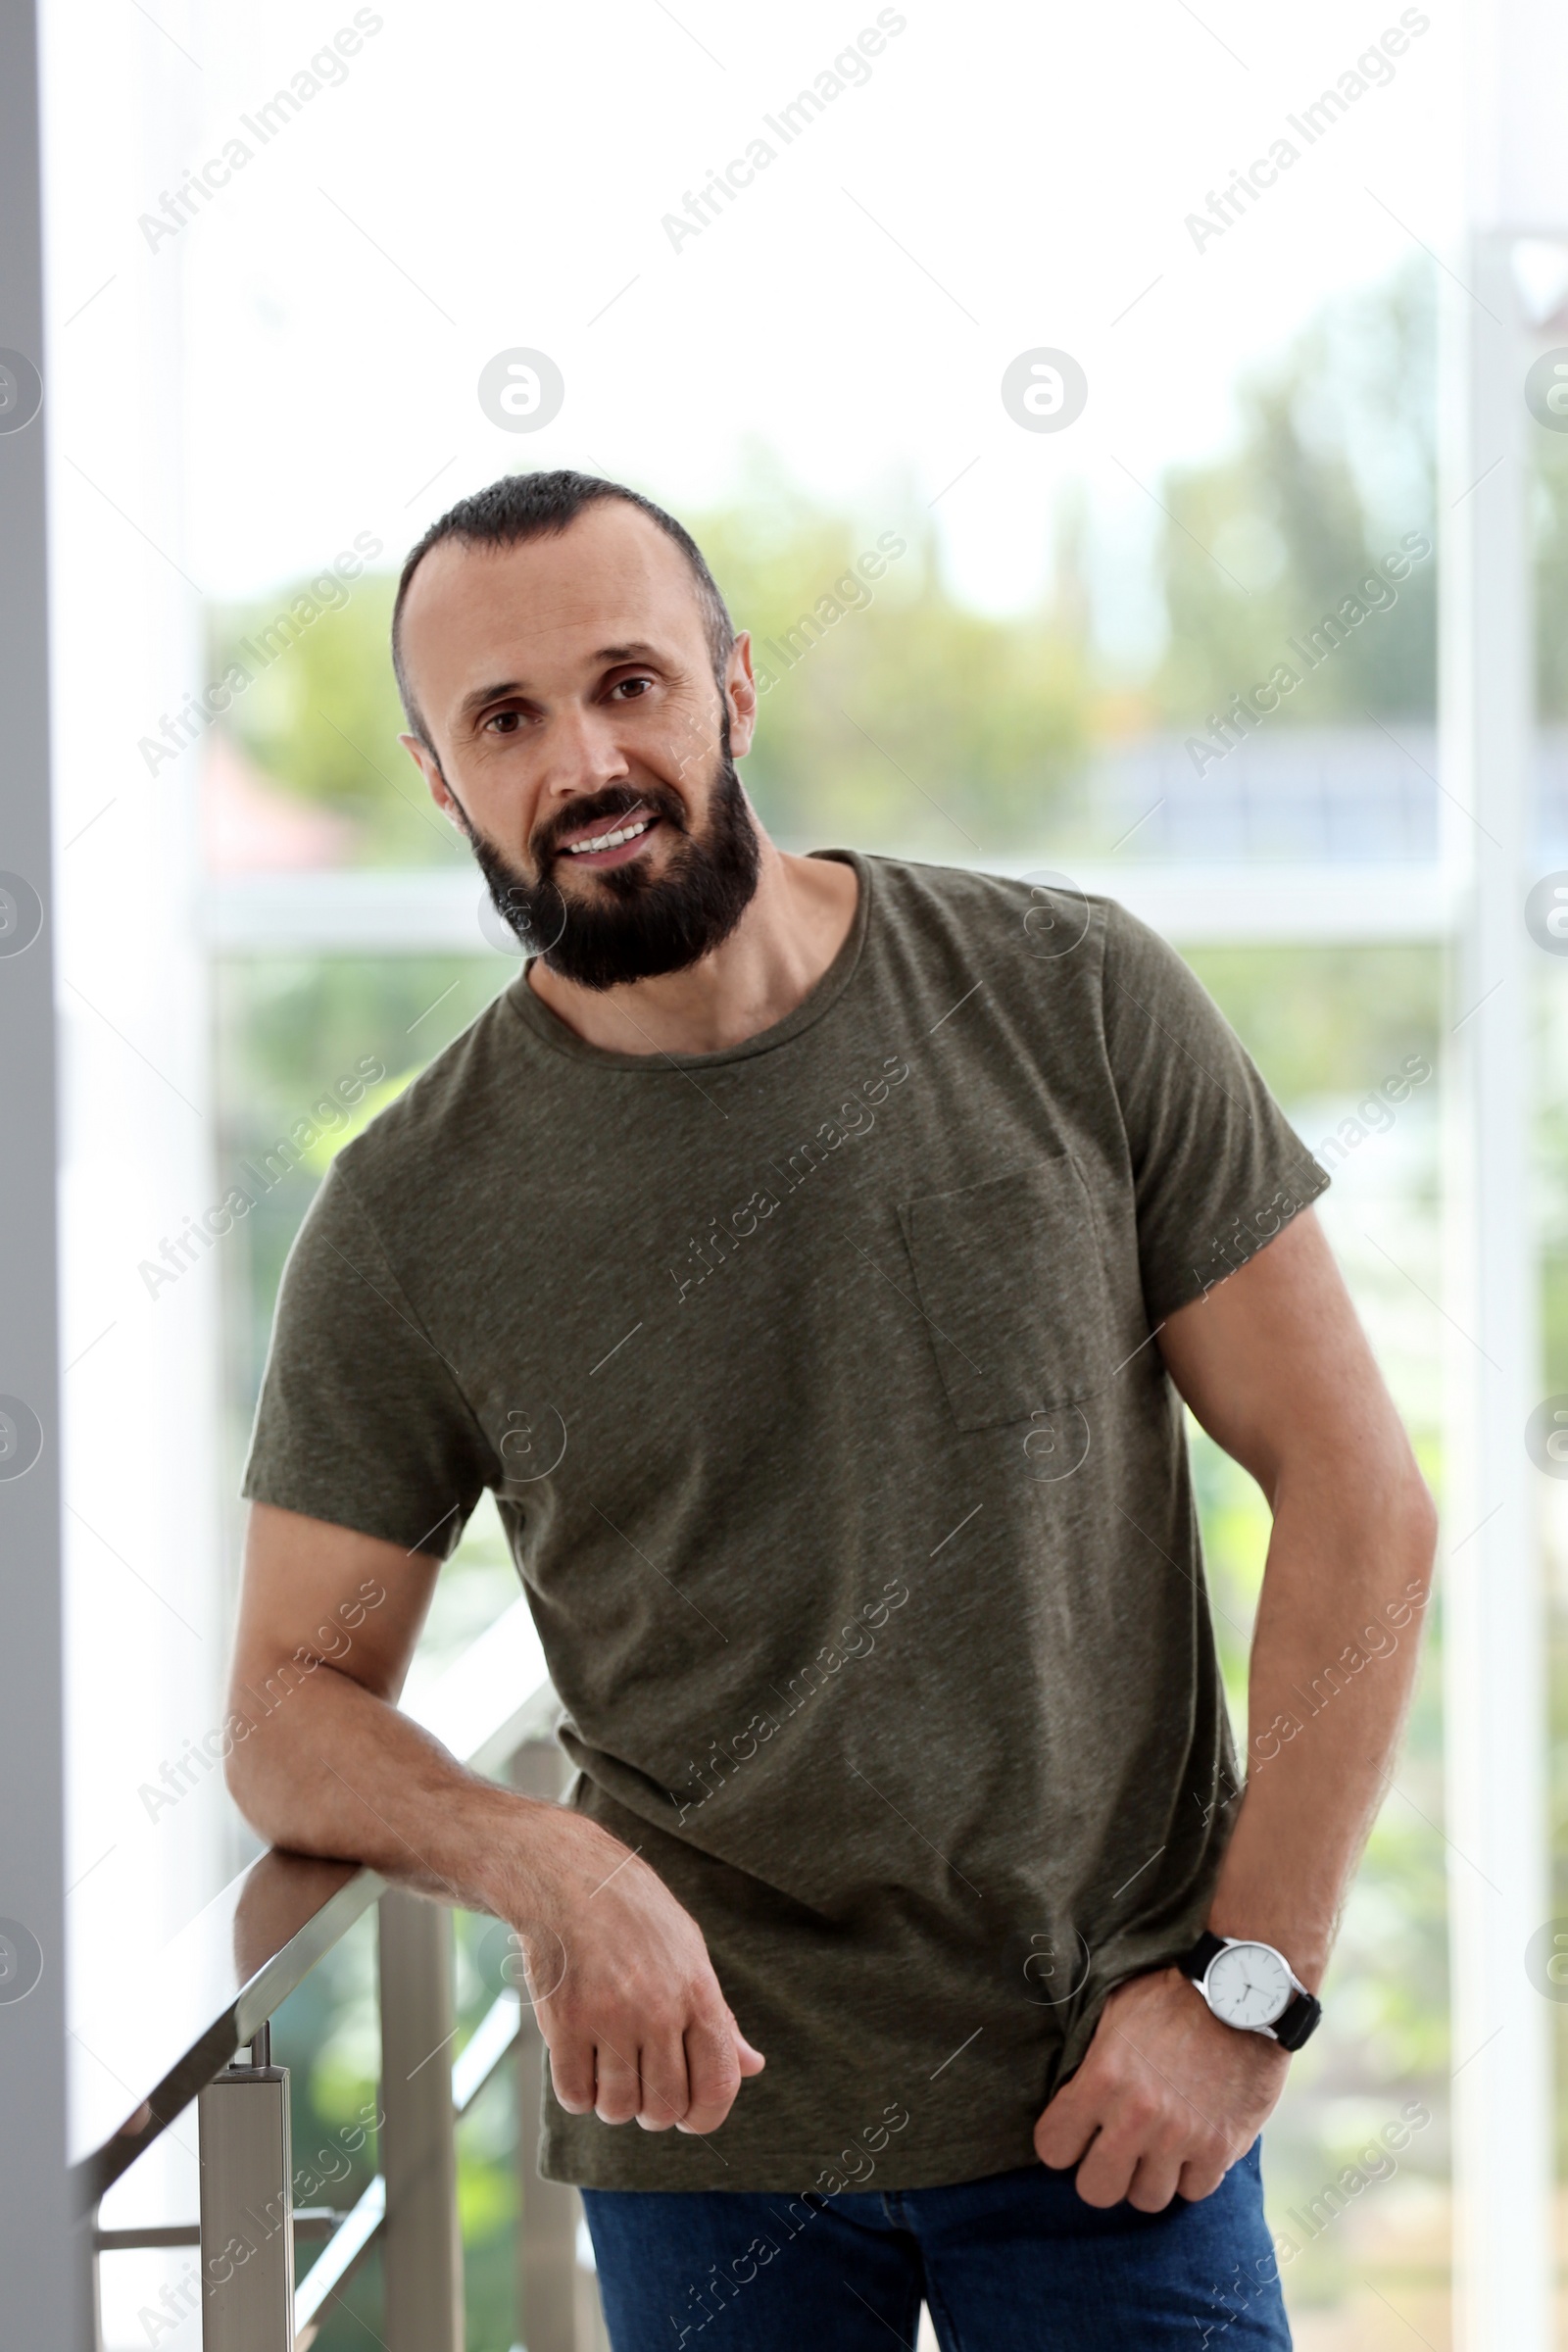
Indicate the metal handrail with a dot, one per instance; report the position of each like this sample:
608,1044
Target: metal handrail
202,2007
175,2021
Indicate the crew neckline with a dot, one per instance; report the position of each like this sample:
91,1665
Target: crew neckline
551,1030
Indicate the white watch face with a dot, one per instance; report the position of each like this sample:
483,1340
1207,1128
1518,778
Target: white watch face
1249,1984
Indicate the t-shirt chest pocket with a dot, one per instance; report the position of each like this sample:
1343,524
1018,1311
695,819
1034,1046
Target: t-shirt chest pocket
1013,1280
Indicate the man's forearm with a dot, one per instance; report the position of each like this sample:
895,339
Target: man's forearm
338,1771
1334,1661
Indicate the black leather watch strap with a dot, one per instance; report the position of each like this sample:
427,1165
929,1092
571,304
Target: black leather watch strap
1195,1964
1298,2022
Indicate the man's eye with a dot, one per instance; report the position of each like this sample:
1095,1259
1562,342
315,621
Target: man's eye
633,687
505,722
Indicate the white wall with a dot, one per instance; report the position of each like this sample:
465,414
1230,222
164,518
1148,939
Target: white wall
145,1611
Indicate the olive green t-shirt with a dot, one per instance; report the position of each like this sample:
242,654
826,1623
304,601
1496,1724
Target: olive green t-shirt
818,1386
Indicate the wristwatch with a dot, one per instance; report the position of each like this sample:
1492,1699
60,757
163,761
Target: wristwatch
1252,1986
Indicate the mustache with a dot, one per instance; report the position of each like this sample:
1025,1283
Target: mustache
603,808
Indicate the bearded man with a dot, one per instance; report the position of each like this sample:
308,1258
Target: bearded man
855,1230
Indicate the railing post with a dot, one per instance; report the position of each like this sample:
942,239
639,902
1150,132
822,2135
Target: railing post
547,2243
95,2287
247,2245
423,2261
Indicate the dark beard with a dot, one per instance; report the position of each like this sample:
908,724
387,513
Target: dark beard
638,924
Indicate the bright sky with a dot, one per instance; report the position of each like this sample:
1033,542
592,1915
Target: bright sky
996,180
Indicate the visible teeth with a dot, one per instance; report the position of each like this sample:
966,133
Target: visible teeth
609,841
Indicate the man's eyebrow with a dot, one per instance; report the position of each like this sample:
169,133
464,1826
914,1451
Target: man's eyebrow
482,695
638,651
473,703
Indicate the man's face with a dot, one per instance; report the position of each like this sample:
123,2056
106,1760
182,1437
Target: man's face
568,694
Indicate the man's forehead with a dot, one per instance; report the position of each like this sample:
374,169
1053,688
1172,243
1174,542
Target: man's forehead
606,577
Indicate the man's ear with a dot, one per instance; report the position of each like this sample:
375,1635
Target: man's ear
429,767
740,692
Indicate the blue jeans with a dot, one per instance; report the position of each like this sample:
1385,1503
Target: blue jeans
1017,2262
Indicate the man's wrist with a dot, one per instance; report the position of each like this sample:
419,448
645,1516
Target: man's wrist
1303,1945
535,1853
492,1839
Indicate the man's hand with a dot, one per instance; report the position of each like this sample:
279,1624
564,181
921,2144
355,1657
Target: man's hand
1165,2101
624,1991
322,1762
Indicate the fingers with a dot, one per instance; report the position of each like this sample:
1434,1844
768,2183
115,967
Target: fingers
571,2073
1142,2160
1146,2151
1155,2182
1137,2129
618,2087
686,2080
1131,2136
1160,2165
1200,2178
752,2061
1065,2130
713,2071
666,2095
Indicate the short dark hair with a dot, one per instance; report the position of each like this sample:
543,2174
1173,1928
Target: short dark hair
531,505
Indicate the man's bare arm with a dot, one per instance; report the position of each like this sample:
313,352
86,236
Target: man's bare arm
626,1993
1276,1367
1283,1379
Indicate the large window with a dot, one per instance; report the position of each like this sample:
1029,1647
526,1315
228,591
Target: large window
1177,639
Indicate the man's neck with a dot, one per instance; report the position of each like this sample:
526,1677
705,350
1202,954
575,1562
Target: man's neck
799,918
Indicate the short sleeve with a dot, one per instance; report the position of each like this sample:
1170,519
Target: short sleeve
361,1420
1218,1168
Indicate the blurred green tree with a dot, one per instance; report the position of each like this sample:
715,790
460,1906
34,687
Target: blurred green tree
906,721
1333,463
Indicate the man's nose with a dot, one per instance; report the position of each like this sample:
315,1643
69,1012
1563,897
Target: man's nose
583,754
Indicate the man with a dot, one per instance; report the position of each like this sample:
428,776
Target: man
813,1255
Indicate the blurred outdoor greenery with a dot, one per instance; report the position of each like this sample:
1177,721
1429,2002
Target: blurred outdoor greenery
1334,463
913,722
918,725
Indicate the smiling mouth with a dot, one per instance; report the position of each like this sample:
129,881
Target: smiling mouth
613,845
